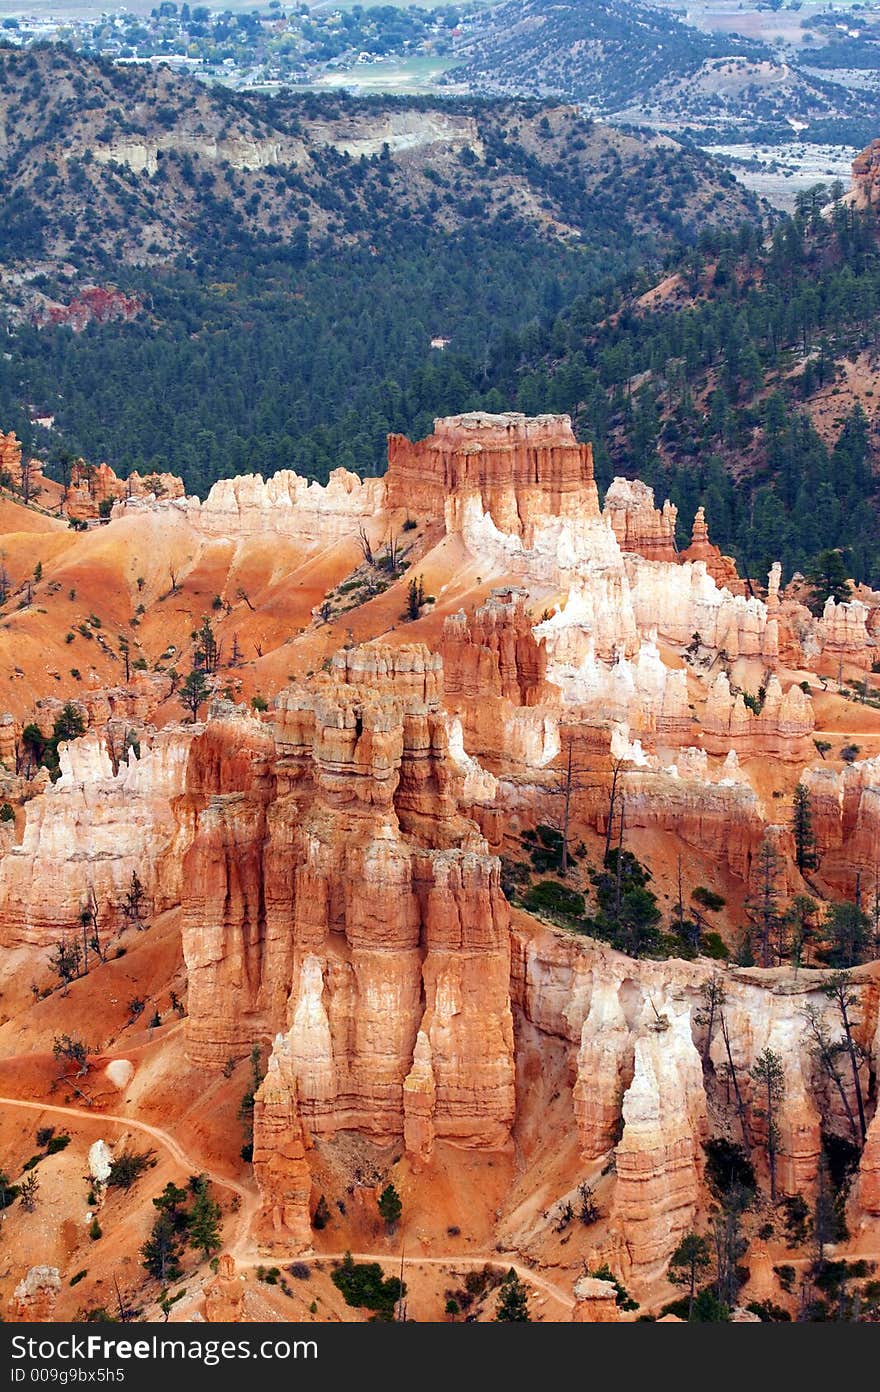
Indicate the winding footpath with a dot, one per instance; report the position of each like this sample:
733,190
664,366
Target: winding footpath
249,1199
245,1252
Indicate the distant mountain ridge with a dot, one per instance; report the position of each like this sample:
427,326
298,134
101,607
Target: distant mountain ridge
104,165
606,53
636,63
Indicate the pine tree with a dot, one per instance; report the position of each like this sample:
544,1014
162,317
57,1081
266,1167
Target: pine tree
204,1220
690,1256
161,1252
390,1206
847,929
513,1301
802,830
828,578
768,1074
30,1187
765,904
194,692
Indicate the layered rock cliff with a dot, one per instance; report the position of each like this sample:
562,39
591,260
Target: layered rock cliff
514,468
338,903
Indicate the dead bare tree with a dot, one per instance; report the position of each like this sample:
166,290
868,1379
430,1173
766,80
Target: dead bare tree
243,595
363,542
29,470
734,1079
619,861
713,1001
827,1052
612,796
392,547
840,990
566,812
573,780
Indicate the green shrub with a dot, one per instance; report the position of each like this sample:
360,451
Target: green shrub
786,1276
713,945
768,1313
728,1167
622,1295
80,1276
128,1167
707,898
6,813
549,897
364,1286
95,1229
56,1144
796,1217
549,837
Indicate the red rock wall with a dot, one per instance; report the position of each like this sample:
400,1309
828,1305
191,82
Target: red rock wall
520,468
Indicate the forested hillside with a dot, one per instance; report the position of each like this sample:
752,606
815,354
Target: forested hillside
524,238
105,166
746,382
294,257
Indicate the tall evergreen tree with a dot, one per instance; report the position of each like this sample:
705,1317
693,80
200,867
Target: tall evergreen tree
768,1076
802,830
204,1221
513,1301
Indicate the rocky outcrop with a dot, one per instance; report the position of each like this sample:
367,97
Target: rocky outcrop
338,902
636,1034
224,1293
843,635
866,174
10,456
494,652
515,469
92,486
604,1070
90,832
95,304
113,711
683,601
595,1302
637,524
721,568
34,1298
722,816
783,728
10,733
845,809
646,694
280,1165
285,504
659,1158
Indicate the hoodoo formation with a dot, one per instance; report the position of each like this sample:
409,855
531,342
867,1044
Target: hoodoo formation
450,833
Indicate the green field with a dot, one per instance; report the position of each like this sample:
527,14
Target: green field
395,75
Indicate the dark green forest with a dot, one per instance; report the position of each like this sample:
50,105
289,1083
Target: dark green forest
719,413
263,359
